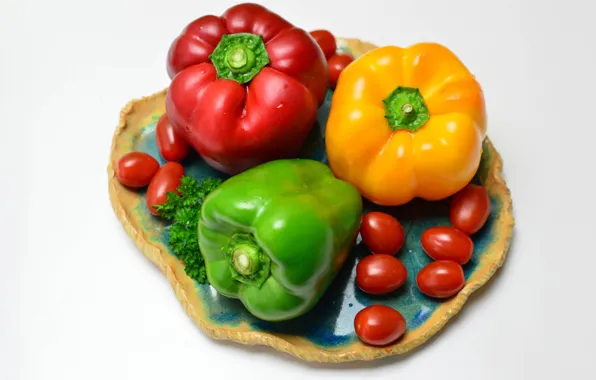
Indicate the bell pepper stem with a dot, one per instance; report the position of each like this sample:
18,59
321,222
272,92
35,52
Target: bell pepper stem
239,57
405,109
245,258
248,263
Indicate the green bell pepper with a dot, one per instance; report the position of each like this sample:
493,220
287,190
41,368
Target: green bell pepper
276,235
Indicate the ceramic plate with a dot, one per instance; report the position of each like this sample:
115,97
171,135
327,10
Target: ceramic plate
326,333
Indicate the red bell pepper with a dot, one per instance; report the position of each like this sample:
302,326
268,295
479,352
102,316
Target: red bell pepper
246,87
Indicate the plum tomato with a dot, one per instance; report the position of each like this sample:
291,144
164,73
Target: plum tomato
136,169
171,145
379,325
326,41
167,179
447,243
469,209
337,64
380,274
441,279
382,233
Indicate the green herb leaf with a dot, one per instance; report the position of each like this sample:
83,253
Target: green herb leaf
184,210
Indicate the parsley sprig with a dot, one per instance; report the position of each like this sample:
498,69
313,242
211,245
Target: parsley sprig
184,211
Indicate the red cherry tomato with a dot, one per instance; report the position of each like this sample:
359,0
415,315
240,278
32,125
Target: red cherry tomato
337,64
470,208
382,233
136,169
326,41
171,145
379,325
441,279
447,243
166,180
380,274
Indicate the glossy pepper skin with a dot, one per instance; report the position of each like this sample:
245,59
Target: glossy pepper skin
276,235
406,123
246,87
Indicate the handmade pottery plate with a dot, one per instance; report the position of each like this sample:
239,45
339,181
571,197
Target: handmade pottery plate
326,333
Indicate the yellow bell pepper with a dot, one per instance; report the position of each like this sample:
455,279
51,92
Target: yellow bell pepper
406,123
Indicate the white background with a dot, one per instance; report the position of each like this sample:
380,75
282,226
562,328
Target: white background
79,301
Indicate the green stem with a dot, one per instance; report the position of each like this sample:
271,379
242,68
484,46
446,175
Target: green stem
247,261
405,109
239,57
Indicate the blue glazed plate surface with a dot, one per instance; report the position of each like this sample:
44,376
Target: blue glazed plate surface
326,333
